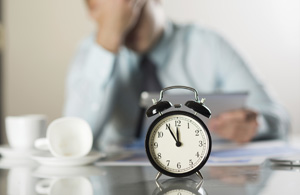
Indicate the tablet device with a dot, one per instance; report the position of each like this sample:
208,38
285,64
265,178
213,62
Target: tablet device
216,102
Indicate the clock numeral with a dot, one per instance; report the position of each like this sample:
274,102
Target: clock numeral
191,162
155,144
178,123
188,125
200,143
179,193
178,165
197,132
168,126
159,155
197,154
168,162
160,134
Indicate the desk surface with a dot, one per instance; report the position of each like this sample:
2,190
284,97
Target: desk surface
134,180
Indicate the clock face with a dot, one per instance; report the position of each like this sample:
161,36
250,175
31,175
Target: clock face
179,192
178,143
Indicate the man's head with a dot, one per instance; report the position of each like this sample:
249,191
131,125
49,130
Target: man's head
147,27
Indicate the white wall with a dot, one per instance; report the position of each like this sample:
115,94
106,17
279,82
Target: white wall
42,35
266,33
41,38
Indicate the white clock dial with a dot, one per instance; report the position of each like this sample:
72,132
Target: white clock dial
179,192
179,143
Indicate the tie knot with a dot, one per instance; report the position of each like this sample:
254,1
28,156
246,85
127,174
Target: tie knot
150,80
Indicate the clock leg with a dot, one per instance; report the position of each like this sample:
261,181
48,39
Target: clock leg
199,185
158,185
158,176
199,175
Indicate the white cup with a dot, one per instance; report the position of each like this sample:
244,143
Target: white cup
67,137
22,131
74,186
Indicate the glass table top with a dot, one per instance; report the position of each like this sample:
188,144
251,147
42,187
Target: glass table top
29,178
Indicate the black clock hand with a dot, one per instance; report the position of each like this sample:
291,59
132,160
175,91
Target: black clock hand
178,143
172,133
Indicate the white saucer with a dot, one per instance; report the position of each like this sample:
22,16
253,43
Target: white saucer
11,163
7,152
46,158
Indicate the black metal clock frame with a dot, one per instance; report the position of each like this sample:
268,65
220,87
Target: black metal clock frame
150,157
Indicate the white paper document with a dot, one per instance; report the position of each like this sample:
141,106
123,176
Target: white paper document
254,153
223,154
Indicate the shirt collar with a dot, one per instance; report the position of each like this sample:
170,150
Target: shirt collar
160,51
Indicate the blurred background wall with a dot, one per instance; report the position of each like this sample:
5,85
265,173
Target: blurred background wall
1,62
41,37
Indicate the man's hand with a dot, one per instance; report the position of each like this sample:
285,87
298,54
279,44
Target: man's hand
239,125
115,18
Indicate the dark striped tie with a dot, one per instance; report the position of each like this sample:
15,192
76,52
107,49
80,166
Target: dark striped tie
150,83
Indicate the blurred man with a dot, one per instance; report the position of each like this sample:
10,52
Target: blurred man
105,80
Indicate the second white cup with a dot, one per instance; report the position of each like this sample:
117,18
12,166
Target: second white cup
67,137
22,131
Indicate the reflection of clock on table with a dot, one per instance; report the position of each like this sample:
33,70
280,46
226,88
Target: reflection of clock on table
178,143
181,186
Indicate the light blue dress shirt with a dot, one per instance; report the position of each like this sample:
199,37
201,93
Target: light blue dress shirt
102,87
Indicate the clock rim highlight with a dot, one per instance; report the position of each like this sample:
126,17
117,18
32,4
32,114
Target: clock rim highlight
164,171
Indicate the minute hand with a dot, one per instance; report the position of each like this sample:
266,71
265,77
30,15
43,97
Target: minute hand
172,134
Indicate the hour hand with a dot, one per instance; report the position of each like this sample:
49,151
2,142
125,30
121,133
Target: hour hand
178,143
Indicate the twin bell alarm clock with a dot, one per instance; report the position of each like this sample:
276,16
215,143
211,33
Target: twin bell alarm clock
178,142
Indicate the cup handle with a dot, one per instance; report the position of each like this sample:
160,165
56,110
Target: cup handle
41,144
43,186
